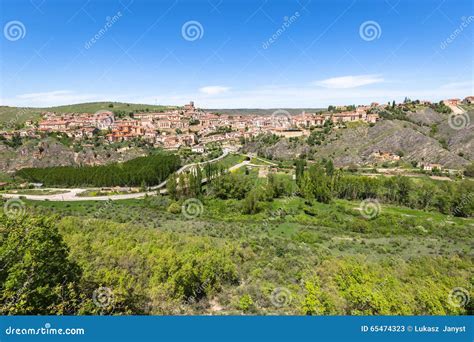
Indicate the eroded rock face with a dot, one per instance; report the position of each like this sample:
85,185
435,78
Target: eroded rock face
357,145
50,152
426,116
282,150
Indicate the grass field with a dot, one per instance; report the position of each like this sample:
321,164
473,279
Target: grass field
338,228
230,160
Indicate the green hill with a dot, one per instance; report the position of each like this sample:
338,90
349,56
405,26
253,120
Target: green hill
21,114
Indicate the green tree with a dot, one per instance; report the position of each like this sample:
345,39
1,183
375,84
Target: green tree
329,166
312,304
182,186
403,189
171,186
36,277
245,303
469,171
319,184
198,181
251,203
299,170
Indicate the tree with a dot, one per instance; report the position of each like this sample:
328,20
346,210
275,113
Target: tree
192,184
36,277
312,304
198,181
299,170
403,189
317,184
245,303
469,171
329,166
182,186
231,185
171,186
250,204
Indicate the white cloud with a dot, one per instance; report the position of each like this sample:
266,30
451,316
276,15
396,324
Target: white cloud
345,82
300,95
50,98
213,90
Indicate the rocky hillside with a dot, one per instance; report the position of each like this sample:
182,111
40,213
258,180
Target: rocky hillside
50,152
427,136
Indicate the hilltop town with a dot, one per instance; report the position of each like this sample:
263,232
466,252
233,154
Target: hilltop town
188,126
113,134
194,127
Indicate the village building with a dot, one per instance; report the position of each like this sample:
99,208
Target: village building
430,166
468,100
452,102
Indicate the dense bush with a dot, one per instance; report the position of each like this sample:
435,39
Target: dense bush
453,198
36,274
153,272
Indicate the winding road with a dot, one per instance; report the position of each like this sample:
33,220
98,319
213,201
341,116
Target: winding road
71,194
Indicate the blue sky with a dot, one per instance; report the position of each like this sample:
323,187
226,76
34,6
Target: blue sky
236,54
